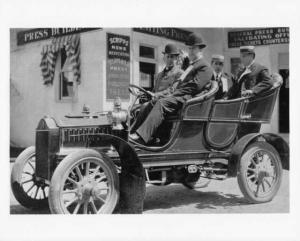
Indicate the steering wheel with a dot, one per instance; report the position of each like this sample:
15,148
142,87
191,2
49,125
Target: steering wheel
133,90
137,92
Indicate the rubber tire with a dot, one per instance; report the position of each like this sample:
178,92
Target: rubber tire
67,163
192,184
242,168
16,186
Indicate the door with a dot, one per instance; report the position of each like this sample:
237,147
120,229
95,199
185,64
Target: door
284,103
283,106
223,125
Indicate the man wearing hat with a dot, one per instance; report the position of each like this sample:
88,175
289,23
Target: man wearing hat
191,82
252,79
223,79
164,80
170,73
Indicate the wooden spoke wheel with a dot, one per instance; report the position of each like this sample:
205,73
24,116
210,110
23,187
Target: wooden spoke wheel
259,172
85,182
29,191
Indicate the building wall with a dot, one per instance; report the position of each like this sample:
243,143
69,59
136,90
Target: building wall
31,99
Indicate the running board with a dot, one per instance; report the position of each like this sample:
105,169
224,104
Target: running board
147,164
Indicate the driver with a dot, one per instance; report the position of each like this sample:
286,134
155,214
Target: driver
164,80
170,73
192,81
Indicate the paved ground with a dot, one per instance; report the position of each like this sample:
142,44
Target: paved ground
218,197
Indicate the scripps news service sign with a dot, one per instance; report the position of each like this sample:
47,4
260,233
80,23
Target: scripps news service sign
118,66
37,34
257,37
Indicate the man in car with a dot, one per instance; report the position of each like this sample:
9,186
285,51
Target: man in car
252,79
164,79
192,82
223,79
171,72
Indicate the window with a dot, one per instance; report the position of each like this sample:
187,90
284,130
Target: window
147,52
147,66
67,85
147,72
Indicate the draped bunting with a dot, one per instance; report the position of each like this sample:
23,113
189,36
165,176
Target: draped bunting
50,52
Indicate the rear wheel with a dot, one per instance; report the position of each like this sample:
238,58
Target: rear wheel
85,182
259,172
27,189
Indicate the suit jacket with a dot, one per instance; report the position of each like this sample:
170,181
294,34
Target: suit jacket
257,78
223,87
165,79
193,80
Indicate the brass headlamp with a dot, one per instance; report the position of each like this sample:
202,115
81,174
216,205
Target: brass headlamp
118,117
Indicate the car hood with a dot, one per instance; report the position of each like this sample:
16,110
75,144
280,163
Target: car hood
82,120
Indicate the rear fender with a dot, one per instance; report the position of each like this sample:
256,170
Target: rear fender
276,141
132,178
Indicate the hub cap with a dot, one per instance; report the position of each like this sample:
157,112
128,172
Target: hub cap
86,189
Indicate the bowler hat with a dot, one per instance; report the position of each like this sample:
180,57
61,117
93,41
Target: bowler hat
195,40
247,49
171,49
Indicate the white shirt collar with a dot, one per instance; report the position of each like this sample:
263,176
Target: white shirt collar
248,67
217,75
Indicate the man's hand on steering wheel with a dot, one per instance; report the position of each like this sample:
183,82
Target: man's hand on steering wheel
141,91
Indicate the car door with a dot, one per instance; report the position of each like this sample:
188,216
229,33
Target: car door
222,127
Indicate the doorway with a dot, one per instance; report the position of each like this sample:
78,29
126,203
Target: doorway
284,94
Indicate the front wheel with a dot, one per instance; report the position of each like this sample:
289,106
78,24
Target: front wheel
85,182
259,172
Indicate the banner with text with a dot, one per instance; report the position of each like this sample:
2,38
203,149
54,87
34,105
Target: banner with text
257,37
118,66
37,34
170,33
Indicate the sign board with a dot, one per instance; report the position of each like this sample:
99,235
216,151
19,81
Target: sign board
118,66
37,34
257,37
170,33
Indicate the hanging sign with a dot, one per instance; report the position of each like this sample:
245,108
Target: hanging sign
118,66
257,37
37,34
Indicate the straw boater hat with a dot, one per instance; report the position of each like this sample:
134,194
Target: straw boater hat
247,49
218,57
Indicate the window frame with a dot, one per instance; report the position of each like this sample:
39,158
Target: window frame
148,60
59,97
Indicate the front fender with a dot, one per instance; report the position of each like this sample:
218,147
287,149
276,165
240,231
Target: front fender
276,141
132,178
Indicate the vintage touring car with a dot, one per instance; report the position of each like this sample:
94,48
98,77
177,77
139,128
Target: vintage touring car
85,164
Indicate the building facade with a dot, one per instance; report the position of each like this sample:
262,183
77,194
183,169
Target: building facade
57,71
